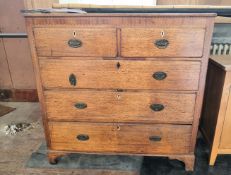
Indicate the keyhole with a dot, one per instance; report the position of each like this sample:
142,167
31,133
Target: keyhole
118,127
74,34
162,34
118,96
118,65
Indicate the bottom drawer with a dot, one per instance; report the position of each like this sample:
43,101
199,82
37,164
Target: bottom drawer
120,138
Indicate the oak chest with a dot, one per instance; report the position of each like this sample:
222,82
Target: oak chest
121,83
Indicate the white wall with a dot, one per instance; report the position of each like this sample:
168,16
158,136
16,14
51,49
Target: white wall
112,2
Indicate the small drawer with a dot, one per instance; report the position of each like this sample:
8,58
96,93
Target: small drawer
112,74
162,42
111,106
76,42
120,138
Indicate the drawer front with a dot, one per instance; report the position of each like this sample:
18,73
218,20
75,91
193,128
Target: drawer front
108,106
75,42
120,138
111,74
170,42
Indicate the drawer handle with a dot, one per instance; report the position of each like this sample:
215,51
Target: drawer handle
82,137
72,80
75,43
157,107
81,105
162,43
155,138
159,75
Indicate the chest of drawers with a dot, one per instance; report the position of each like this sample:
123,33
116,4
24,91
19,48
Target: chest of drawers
121,83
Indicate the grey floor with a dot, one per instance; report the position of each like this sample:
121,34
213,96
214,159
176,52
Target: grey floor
19,153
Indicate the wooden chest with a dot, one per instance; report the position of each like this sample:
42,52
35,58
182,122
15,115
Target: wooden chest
121,83
216,115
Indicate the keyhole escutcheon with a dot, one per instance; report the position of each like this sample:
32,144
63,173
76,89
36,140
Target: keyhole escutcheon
118,65
162,33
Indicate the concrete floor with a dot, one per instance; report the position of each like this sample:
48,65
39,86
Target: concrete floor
15,151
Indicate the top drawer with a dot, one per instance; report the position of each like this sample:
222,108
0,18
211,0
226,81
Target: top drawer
159,42
75,42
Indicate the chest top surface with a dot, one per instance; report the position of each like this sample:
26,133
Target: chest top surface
223,62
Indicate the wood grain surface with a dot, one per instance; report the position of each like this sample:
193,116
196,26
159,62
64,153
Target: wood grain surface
140,42
225,137
181,75
95,41
215,123
121,138
111,106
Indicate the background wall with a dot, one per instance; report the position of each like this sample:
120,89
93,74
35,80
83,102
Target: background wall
17,81
15,63
29,4
48,3
193,2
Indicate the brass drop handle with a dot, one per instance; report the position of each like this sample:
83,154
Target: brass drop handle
157,107
80,105
159,75
155,138
83,137
161,43
75,43
72,79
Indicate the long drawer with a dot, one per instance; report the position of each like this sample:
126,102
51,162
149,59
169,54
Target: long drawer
109,106
120,138
76,41
162,42
112,74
